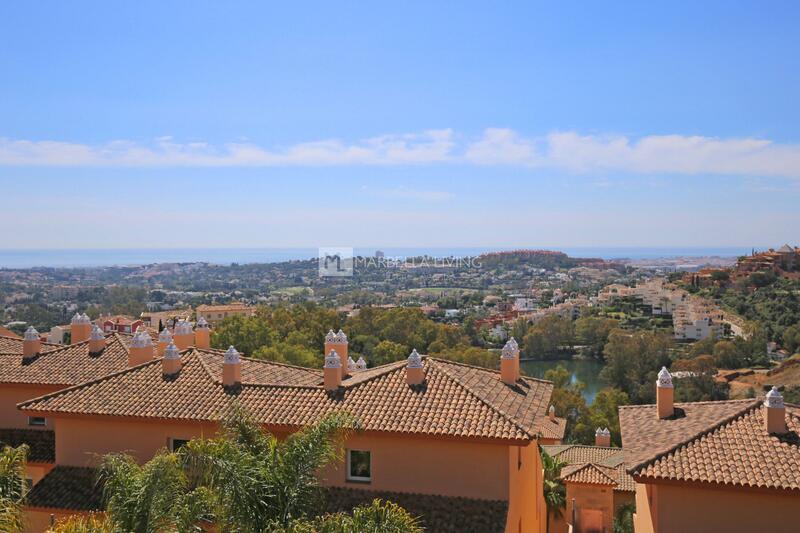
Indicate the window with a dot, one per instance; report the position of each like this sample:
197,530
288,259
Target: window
359,467
37,421
177,444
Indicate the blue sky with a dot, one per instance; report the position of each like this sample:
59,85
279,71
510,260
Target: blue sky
185,124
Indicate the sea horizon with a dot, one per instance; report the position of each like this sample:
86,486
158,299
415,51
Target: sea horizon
109,257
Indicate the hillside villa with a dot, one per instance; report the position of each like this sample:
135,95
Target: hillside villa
455,444
713,466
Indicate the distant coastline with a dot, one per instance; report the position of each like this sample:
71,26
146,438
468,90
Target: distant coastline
75,258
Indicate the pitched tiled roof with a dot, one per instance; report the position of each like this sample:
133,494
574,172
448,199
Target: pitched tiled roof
645,436
734,450
437,514
41,443
66,365
67,487
606,460
13,345
455,400
590,473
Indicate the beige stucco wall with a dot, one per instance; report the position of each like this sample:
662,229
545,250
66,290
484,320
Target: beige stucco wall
11,395
526,507
685,507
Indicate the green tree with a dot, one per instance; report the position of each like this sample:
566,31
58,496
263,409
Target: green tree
593,331
12,487
555,494
376,517
633,360
791,338
263,484
388,352
151,498
726,355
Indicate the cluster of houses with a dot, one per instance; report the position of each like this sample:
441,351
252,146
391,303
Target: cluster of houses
693,318
457,445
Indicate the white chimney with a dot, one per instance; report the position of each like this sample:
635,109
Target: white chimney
415,372
332,371
31,343
171,363
774,413
232,368
351,366
552,413
361,364
664,394
509,362
97,340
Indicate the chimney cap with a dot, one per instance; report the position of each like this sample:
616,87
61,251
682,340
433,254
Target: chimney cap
552,409
773,399
201,323
172,352
232,356
510,350
31,334
341,338
351,365
165,336
361,364
330,336
664,378
96,334
141,340
79,318
332,360
414,359
183,328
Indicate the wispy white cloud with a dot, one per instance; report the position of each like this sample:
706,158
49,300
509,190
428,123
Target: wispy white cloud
566,151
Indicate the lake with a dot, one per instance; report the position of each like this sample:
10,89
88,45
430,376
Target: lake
585,370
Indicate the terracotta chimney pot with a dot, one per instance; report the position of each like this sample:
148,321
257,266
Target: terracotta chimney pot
509,362
774,413
31,343
202,334
664,394
97,340
141,349
338,342
415,371
164,340
332,371
171,363
183,336
232,368
602,437
80,328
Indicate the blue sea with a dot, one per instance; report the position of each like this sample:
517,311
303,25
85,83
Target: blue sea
224,256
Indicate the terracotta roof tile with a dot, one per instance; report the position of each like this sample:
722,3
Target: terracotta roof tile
42,443
455,400
592,474
13,345
67,487
736,451
437,514
66,365
609,461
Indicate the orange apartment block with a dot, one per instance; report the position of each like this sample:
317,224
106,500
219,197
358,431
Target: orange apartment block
455,444
30,368
215,314
729,466
596,483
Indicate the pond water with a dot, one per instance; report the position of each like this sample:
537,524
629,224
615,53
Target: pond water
585,370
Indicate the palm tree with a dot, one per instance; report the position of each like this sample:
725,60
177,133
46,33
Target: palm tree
12,487
555,494
377,517
261,483
151,498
